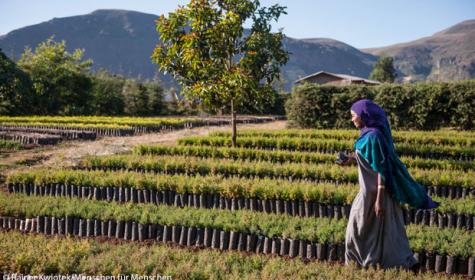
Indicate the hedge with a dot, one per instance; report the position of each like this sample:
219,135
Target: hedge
419,106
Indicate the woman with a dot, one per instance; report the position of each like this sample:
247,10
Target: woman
375,234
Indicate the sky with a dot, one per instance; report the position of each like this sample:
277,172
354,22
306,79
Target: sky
360,23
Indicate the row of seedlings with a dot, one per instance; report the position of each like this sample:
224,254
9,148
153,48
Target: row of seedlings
172,261
122,127
453,183
331,146
64,133
320,200
445,138
323,242
312,158
30,138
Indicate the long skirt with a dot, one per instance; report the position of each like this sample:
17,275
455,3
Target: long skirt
373,241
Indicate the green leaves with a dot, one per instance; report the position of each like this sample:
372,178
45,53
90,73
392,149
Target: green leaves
90,257
9,145
331,145
438,137
205,48
454,242
384,70
451,241
425,106
323,171
100,122
233,187
241,220
16,89
59,78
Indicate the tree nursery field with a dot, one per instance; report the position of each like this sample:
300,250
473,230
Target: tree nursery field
275,205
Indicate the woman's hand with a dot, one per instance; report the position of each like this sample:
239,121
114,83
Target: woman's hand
349,160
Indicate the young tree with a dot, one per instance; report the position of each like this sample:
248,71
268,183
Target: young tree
384,70
206,48
60,79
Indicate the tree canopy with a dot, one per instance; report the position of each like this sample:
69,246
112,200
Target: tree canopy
60,79
205,47
16,92
384,70
52,81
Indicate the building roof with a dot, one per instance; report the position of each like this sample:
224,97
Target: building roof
340,76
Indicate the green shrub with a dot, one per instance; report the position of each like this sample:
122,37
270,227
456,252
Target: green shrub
420,106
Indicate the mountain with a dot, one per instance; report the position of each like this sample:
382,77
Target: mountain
120,41
123,41
446,55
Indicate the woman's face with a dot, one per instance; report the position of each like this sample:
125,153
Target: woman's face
356,120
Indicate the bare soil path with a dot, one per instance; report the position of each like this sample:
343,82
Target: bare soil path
69,153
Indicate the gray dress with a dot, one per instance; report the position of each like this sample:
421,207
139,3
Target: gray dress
370,240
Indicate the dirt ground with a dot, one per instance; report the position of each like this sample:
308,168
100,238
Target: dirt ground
69,153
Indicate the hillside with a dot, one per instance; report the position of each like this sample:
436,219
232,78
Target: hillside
446,55
122,42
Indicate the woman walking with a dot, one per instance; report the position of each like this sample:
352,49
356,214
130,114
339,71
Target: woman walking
376,234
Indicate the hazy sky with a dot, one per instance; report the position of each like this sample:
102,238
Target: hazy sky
360,23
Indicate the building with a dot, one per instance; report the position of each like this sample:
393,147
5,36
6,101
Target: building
328,78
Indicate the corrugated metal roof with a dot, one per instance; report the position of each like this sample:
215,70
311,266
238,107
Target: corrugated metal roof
341,76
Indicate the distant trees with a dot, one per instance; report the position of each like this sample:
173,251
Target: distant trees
116,95
384,70
107,98
142,99
60,79
16,90
51,81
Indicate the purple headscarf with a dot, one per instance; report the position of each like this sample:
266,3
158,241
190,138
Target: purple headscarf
373,117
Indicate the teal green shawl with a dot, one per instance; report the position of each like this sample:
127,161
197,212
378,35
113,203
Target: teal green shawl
375,148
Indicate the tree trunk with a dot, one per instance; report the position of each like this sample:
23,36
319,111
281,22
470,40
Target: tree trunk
233,123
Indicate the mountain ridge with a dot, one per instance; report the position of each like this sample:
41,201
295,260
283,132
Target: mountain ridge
122,42
448,54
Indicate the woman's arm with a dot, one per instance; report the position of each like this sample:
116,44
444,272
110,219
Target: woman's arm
378,207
